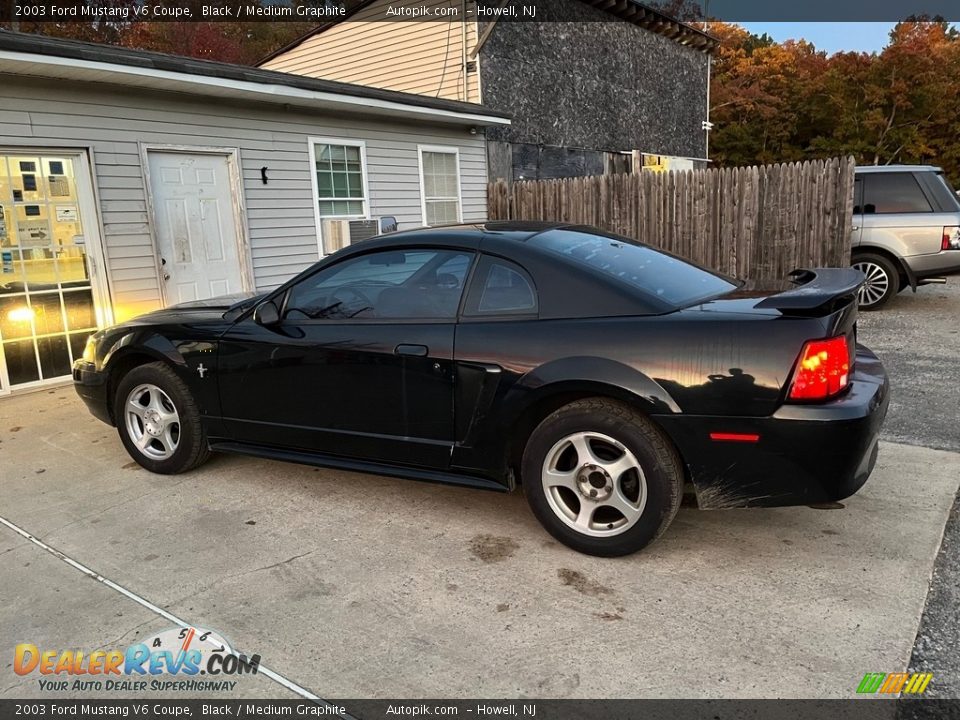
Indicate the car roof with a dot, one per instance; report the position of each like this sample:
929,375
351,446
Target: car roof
565,289
896,168
509,229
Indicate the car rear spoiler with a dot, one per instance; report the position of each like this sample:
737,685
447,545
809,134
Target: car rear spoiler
816,288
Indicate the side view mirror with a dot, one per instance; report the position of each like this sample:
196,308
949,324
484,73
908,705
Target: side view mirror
266,314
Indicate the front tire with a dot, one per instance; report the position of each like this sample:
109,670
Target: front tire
882,280
158,420
601,478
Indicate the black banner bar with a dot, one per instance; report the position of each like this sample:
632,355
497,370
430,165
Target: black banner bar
519,709
324,11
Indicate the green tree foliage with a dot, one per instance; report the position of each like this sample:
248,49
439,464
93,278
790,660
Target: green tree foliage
776,102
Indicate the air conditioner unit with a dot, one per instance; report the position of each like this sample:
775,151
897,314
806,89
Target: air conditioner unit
361,230
337,234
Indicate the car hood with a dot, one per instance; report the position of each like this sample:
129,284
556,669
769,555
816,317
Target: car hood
222,302
195,310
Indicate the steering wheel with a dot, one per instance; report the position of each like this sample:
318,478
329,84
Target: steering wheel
355,297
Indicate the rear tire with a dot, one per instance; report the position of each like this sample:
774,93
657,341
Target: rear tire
601,478
158,420
882,280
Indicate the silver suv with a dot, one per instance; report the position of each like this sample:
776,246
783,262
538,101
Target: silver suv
906,230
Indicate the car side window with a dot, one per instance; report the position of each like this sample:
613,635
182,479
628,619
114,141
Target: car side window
414,284
500,287
893,192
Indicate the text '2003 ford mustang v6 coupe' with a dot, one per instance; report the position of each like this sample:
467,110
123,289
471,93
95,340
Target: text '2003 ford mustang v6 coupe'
597,372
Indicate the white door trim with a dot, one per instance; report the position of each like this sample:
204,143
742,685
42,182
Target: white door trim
237,203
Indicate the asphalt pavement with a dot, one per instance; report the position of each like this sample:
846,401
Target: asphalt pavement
918,338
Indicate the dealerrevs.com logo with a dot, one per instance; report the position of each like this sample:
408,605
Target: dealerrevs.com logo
180,659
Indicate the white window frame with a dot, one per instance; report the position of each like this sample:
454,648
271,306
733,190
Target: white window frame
312,143
448,150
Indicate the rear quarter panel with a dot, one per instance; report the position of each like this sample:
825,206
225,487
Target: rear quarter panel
906,234
692,362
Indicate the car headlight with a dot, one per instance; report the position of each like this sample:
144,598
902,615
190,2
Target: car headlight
90,349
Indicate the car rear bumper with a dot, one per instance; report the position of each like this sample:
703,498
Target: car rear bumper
91,386
805,454
945,262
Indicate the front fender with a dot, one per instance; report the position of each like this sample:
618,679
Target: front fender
184,357
141,342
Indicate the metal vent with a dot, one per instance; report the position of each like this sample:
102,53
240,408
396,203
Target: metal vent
361,230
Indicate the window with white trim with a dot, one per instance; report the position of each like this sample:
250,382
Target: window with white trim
341,186
440,185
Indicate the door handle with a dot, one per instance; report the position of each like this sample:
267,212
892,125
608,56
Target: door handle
411,350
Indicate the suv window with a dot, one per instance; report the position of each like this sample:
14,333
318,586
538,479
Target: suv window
395,284
943,192
892,193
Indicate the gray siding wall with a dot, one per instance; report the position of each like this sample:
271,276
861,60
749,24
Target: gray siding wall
595,85
282,231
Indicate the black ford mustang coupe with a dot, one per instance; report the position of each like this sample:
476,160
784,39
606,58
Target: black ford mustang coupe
601,374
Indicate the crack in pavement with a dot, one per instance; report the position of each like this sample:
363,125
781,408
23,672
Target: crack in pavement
127,632
106,509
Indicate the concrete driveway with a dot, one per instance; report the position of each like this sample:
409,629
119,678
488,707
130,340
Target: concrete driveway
360,586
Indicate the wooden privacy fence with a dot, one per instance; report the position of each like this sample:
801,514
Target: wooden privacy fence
751,222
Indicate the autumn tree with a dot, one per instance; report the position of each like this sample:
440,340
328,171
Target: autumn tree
774,102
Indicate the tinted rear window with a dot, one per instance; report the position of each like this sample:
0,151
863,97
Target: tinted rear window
892,193
946,194
668,278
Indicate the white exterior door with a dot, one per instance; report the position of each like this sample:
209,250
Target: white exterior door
195,224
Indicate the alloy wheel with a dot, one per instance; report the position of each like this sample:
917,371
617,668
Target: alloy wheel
876,285
152,422
594,484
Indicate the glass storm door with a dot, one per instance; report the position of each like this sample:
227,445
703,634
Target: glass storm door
48,301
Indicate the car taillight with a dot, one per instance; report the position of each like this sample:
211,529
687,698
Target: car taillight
951,238
822,371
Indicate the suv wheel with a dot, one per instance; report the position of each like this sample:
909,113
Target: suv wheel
882,280
601,478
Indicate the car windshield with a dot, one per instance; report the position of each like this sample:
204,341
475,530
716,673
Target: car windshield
668,278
